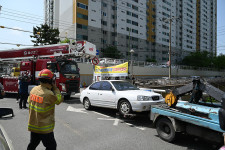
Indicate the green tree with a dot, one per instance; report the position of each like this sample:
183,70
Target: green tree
112,52
219,62
66,40
199,59
44,35
150,60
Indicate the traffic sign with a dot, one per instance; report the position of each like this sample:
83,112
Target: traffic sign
95,61
97,52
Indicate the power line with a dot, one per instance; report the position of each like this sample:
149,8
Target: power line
33,15
15,44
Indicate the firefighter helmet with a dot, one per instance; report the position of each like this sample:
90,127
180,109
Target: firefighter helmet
45,74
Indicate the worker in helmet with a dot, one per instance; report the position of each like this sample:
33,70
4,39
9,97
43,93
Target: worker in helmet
42,102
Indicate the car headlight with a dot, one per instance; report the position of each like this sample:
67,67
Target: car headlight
143,98
160,97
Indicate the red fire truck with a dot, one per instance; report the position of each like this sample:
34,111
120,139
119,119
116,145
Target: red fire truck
59,58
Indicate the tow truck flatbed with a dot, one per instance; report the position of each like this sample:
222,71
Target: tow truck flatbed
193,119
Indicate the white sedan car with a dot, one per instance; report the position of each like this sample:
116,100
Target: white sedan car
119,94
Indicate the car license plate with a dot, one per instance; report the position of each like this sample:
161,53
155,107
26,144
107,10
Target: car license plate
73,93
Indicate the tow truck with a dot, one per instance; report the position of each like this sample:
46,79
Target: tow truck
59,58
194,117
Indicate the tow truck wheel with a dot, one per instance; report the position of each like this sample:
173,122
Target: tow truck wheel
87,104
165,129
124,107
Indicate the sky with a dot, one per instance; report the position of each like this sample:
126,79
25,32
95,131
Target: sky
26,14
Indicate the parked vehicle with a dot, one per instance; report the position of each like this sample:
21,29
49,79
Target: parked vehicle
57,58
196,117
120,95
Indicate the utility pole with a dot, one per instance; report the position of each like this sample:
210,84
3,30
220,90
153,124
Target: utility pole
170,47
170,19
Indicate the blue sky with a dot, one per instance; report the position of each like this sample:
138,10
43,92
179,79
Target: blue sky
25,14
220,26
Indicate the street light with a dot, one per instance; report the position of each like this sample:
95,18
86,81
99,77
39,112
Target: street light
131,54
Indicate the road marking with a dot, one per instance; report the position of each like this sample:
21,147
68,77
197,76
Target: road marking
116,121
141,128
80,110
101,114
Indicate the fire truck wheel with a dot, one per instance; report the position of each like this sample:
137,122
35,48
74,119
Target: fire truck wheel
87,104
165,130
67,96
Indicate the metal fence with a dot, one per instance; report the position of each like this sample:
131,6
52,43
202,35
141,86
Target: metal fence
111,61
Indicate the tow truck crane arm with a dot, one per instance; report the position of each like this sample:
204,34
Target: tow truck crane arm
196,88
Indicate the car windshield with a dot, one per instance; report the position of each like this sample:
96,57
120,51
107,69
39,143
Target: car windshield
123,86
69,67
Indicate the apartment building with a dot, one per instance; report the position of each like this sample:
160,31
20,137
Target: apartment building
141,25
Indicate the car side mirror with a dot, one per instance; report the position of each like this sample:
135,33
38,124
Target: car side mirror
113,89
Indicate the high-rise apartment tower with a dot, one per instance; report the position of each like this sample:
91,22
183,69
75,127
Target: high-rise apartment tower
141,25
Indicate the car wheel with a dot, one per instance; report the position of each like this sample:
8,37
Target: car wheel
124,107
87,104
165,129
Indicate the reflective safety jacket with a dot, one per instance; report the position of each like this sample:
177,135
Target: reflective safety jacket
42,102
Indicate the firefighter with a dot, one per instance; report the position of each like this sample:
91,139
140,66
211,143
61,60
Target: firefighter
42,102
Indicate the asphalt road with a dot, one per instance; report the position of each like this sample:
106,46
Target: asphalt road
98,129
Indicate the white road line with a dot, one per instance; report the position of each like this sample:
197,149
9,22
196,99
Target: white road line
101,114
141,128
80,110
116,121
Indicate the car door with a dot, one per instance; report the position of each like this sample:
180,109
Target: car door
93,93
107,95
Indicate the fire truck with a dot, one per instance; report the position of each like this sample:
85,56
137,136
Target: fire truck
59,58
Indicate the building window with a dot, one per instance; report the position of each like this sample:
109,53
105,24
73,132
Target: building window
83,6
114,34
104,4
128,5
128,13
128,21
114,25
82,37
81,26
103,13
104,32
114,8
134,23
104,23
135,7
135,31
82,16
135,15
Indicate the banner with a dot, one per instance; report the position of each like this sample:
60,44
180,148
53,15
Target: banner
113,71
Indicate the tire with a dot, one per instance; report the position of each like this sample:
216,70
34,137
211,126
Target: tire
67,97
87,104
165,130
124,107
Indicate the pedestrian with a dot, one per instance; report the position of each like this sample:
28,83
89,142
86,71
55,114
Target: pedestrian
133,80
23,91
18,91
42,102
2,93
